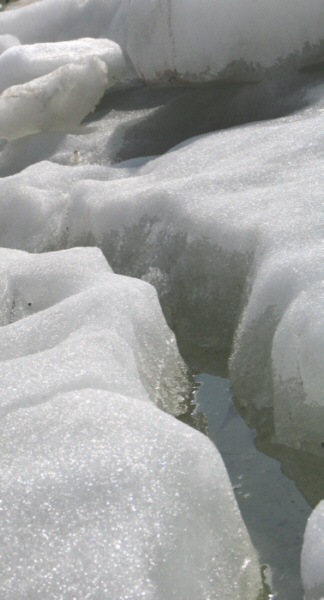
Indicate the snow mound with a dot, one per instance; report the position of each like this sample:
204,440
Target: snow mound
71,323
104,495
201,224
8,41
59,20
298,375
59,100
20,64
179,41
313,555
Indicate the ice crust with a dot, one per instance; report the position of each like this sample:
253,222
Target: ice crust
313,554
22,63
201,224
59,100
102,493
108,497
201,41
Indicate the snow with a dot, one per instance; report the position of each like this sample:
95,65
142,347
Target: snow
193,41
8,41
86,327
23,63
98,503
312,555
178,218
58,100
213,196
102,492
171,41
58,20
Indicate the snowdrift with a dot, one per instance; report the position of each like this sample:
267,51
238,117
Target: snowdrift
103,494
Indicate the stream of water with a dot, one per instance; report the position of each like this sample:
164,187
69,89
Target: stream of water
274,510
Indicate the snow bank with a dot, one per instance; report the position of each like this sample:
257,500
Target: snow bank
201,224
201,41
298,375
8,41
174,41
313,555
20,64
59,20
59,100
85,328
106,496
102,493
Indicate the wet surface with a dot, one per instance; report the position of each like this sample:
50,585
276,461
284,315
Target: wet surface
274,510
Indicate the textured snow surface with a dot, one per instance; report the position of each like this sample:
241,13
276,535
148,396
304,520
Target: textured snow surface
102,494
313,555
68,322
200,41
180,40
108,497
228,224
59,100
22,63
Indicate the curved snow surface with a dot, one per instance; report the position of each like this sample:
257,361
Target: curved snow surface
228,225
170,41
103,494
313,555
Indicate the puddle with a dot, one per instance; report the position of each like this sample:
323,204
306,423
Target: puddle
274,510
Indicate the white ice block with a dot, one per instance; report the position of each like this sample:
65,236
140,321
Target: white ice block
59,100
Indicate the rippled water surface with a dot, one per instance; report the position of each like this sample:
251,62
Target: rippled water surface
272,507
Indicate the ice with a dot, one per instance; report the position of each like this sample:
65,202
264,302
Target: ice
59,100
312,555
8,41
201,224
298,376
20,64
218,205
183,40
103,494
107,496
175,41
59,20
70,323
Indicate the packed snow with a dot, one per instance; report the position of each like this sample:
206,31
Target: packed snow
313,555
171,41
102,493
180,219
22,63
86,327
56,101
211,194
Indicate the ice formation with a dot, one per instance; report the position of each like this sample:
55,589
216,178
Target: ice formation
171,41
59,100
220,208
86,327
189,222
313,555
103,494
22,63
184,40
